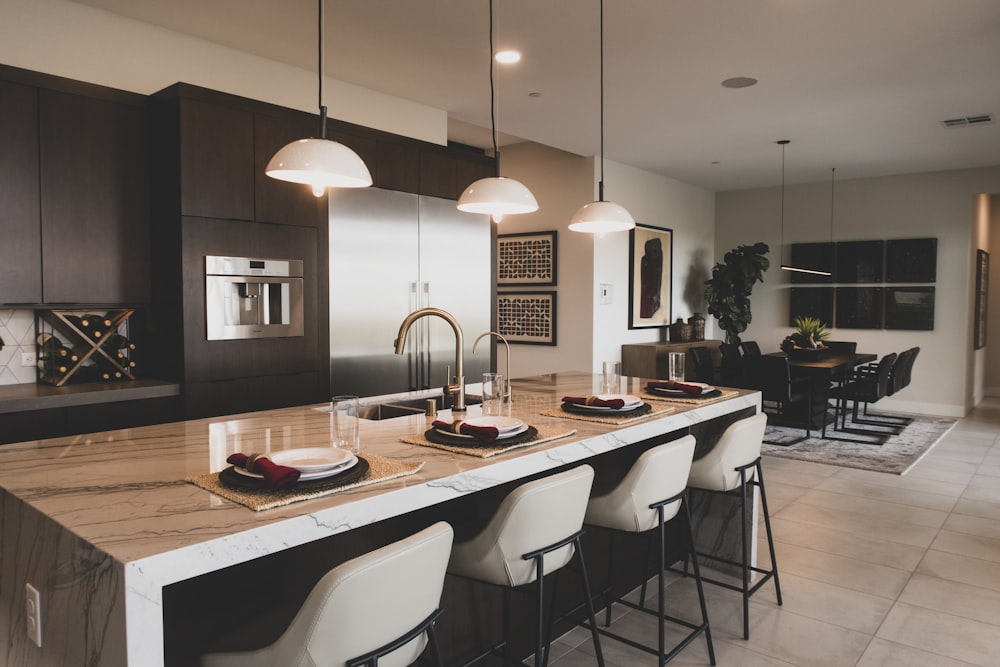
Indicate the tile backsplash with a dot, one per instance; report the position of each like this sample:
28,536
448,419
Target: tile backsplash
17,329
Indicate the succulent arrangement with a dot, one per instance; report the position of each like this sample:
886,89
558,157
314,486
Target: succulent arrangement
808,335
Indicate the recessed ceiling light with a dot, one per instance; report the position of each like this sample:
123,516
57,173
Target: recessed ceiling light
739,82
534,94
508,57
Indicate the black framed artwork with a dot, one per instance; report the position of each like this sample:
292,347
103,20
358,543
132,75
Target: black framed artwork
859,307
527,317
909,308
982,294
526,259
860,261
811,302
911,260
813,256
650,262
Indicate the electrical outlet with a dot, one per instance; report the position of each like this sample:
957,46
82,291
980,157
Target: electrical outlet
28,358
33,607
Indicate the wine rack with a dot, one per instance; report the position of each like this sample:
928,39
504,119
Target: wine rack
85,347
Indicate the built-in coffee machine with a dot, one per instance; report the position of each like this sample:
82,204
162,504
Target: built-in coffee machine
252,298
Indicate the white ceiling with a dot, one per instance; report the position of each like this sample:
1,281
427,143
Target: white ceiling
860,85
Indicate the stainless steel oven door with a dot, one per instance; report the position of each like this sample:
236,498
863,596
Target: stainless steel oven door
238,307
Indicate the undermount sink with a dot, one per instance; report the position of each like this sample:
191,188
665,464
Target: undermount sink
393,408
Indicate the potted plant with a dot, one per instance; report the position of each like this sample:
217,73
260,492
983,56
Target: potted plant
728,291
807,339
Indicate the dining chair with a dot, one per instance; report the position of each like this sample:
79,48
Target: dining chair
382,604
867,386
733,468
780,393
653,493
899,379
732,372
750,348
535,531
704,367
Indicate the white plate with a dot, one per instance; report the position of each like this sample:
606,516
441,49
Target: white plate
306,476
631,403
312,459
502,424
705,389
506,434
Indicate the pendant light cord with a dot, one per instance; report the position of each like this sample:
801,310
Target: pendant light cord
783,142
493,104
319,69
600,185
833,171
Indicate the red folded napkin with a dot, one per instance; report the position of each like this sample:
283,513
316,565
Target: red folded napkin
690,389
484,433
275,475
614,403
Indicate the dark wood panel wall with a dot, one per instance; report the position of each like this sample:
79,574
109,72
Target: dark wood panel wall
112,198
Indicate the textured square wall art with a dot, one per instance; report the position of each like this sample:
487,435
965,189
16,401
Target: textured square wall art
526,259
527,317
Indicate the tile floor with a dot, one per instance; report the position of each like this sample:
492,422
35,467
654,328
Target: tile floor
875,569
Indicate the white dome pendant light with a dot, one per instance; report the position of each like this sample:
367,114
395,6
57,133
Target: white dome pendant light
321,163
496,195
601,217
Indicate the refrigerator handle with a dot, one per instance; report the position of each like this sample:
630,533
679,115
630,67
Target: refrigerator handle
425,289
412,357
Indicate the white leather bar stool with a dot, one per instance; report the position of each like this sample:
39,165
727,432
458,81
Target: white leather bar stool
535,531
732,467
379,606
653,492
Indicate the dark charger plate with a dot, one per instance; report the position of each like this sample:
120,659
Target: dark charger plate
677,393
590,412
231,478
437,437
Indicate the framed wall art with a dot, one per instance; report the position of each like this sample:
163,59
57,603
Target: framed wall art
527,317
909,308
526,259
817,256
860,261
859,307
911,260
982,286
811,302
650,263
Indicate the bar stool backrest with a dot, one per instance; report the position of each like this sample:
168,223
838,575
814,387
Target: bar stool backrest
738,446
660,473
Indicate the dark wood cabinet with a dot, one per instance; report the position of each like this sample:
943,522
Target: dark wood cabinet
397,167
216,160
94,198
438,175
20,216
279,201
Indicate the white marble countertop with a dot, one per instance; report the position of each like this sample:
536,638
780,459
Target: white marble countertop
124,492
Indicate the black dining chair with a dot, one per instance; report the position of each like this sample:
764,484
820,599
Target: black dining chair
731,371
841,347
866,387
750,348
772,376
704,367
899,379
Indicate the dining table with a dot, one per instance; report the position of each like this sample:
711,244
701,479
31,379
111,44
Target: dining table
822,370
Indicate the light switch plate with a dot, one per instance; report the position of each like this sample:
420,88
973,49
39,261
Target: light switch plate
607,294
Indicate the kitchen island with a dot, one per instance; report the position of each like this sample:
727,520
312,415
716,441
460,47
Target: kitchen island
102,524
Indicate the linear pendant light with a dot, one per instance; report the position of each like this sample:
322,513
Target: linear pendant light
601,216
496,195
791,267
321,163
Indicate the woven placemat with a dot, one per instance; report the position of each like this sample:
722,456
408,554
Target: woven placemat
380,469
693,400
602,418
479,451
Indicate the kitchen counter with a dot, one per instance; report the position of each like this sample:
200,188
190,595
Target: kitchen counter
102,523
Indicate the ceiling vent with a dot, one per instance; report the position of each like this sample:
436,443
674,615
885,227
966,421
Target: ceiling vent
968,121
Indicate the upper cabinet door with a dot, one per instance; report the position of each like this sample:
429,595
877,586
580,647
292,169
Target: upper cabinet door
280,201
95,199
20,249
217,161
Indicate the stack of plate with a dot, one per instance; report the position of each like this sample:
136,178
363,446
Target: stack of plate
631,403
508,427
681,393
312,462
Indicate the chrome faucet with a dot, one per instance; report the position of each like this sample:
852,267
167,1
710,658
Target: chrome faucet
457,389
507,393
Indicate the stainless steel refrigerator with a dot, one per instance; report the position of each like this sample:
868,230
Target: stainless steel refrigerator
392,253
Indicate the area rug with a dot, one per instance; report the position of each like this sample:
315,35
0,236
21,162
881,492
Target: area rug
896,456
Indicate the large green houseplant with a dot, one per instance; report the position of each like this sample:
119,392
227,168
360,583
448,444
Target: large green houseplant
728,291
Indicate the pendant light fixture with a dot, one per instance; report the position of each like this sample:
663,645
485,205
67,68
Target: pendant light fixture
601,216
791,267
496,195
321,163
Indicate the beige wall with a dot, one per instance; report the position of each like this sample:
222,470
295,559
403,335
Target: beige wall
991,361
80,42
939,204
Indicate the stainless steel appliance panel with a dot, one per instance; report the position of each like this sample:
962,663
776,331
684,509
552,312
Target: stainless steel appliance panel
392,253
252,298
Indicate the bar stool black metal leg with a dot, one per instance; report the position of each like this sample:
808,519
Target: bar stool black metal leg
767,526
578,545
697,579
745,543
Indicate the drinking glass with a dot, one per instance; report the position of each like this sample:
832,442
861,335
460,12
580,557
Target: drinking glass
345,424
492,394
611,373
676,367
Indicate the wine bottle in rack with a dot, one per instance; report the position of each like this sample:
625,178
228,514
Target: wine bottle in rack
47,343
116,341
95,325
50,367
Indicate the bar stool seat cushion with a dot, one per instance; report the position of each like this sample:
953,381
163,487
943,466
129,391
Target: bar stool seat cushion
738,446
532,516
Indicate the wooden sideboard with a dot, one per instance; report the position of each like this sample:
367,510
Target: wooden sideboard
649,360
